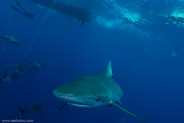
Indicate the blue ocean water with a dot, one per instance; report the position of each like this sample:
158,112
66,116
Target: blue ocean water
147,59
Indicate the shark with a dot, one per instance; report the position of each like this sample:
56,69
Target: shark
35,108
92,91
10,38
82,14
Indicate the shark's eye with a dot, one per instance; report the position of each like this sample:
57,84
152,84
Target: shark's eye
101,99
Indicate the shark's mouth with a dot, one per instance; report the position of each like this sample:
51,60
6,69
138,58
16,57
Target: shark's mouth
79,101
72,99
81,105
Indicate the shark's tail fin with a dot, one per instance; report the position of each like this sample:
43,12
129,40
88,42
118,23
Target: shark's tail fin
127,112
22,111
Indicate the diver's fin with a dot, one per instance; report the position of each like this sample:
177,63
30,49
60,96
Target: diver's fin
15,8
19,4
127,112
61,107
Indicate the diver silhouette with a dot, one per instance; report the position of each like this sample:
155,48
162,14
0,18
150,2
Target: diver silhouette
20,9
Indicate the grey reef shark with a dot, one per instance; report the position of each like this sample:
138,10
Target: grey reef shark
82,14
91,91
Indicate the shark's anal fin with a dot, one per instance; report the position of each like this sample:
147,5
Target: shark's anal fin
127,112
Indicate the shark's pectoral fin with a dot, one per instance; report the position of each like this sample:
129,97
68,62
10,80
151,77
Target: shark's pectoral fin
127,112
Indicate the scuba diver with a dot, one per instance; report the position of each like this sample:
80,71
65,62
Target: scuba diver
22,10
18,68
127,21
132,17
176,17
175,20
5,78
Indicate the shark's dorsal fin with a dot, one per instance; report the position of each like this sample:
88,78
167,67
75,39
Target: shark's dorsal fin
108,71
127,112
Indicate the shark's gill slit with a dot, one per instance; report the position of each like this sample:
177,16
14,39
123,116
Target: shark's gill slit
39,28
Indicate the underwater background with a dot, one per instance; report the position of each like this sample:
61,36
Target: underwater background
147,60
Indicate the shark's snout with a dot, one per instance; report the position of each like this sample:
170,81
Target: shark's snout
63,96
71,99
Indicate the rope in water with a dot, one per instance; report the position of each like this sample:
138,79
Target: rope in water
40,26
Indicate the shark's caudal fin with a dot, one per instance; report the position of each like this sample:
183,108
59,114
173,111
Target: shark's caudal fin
108,71
127,112
22,111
